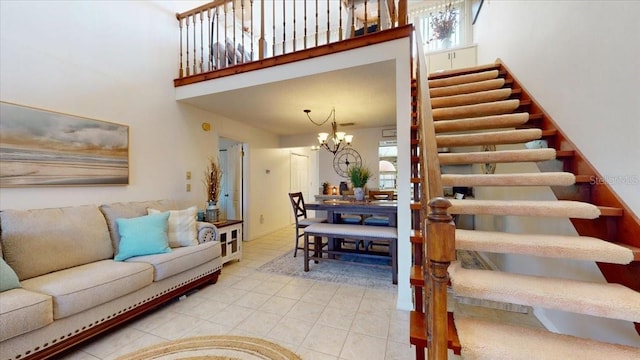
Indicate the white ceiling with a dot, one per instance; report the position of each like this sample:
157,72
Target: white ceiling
363,95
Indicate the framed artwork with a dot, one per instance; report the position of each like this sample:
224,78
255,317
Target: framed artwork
44,148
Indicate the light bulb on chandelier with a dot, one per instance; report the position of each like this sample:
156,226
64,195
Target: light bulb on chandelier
340,139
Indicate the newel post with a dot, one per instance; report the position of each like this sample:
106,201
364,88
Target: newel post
440,251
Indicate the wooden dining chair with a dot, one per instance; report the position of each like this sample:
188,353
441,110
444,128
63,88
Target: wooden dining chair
302,221
379,195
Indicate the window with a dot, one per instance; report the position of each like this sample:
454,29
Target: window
388,161
423,20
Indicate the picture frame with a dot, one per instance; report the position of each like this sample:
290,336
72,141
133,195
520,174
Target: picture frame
389,133
45,148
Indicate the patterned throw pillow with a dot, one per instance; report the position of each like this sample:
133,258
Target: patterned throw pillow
182,226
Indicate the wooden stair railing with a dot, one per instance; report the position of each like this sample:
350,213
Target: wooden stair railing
602,222
224,34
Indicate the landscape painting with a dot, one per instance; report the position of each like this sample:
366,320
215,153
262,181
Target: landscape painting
43,148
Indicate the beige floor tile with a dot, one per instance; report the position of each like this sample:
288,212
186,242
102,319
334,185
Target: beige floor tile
177,327
291,330
268,287
372,325
350,303
308,354
360,346
113,341
145,341
78,355
260,323
400,351
399,331
293,291
278,305
246,284
207,328
223,295
336,317
325,339
252,300
232,315
306,311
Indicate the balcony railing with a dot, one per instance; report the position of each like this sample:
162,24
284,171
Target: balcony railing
226,33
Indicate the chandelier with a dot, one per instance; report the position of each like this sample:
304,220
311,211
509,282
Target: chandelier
339,139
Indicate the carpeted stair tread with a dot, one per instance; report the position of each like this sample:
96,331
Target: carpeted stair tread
472,98
467,111
464,79
518,179
486,340
489,138
466,88
482,123
500,156
553,208
462,71
554,246
606,300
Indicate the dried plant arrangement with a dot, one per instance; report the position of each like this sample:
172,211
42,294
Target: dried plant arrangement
444,22
212,180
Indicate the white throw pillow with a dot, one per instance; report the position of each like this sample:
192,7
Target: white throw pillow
182,226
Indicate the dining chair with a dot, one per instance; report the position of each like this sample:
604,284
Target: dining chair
379,195
302,221
350,218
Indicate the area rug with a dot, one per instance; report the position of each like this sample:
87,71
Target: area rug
224,347
371,273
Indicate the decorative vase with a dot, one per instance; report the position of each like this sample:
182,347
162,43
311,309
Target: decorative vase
212,212
446,42
358,193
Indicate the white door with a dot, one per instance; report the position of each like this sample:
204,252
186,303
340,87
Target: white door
299,177
233,194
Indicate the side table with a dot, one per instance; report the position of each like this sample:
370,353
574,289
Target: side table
230,236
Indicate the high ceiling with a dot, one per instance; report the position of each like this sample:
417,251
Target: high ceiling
363,95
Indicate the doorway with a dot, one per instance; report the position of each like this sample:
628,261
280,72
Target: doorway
231,162
299,177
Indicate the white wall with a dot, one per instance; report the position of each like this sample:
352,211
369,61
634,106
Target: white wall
583,69
115,61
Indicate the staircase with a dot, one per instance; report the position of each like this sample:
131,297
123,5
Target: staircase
482,117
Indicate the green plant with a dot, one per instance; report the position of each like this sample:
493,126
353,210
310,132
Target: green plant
359,175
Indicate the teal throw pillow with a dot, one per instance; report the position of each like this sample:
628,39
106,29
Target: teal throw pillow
8,278
143,235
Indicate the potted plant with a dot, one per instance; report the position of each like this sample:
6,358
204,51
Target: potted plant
212,181
359,175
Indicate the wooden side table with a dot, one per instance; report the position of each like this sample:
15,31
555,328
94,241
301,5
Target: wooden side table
230,236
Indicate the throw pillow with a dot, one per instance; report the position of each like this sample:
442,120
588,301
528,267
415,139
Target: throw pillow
8,278
182,226
144,235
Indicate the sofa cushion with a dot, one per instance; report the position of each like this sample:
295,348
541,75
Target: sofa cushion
143,235
8,278
37,242
79,288
180,259
182,226
22,311
129,210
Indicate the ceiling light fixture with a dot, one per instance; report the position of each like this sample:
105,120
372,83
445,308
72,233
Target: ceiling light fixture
339,139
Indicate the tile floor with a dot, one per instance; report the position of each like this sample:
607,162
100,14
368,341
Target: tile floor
318,320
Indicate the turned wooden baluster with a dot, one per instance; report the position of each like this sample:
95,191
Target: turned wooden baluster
340,20
379,12
209,28
201,67
186,20
305,24
195,54
274,29
284,27
402,12
328,24
251,38
262,42
294,26
353,19
316,23
441,251
366,25
226,51
181,70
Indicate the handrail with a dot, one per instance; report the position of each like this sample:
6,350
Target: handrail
226,33
438,227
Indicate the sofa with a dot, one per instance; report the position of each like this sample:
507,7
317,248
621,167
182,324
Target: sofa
71,273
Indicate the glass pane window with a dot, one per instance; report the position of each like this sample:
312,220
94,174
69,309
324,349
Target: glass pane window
441,25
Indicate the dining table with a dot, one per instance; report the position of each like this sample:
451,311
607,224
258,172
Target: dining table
335,207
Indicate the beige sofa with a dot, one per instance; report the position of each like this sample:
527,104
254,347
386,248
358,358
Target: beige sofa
71,288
